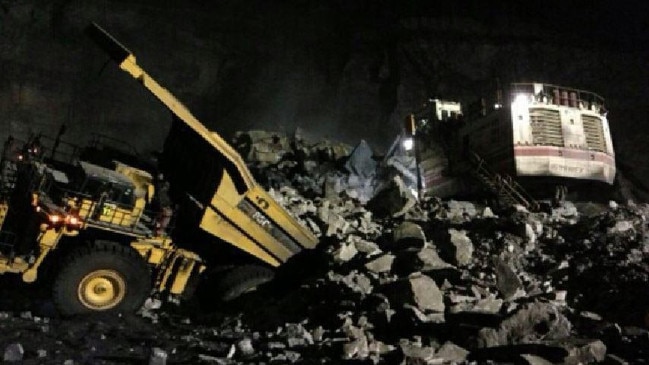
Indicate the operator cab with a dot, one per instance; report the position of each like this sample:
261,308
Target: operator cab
98,197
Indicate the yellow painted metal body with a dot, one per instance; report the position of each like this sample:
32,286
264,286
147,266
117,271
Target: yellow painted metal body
109,213
47,240
175,266
4,209
263,229
102,289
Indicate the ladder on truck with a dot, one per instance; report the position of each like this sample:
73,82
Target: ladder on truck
508,191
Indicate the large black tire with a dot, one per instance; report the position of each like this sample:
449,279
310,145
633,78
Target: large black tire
105,277
235,282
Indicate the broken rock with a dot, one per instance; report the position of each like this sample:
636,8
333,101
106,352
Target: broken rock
535,360
431,260
360,161
356,281
425,293
13,352
381,265
451,352
507,282
346,252
367,247
527,325
594,351
461,249
245,347
158,356
408,230
417,354
488,305
461,210
393,199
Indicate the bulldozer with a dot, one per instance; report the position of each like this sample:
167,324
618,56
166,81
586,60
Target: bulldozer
91,224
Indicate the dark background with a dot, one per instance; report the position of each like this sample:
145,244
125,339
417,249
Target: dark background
343,70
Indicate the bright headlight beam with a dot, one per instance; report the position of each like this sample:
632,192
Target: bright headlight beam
408,143
521,99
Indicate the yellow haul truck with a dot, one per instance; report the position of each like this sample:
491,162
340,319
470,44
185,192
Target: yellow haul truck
110,253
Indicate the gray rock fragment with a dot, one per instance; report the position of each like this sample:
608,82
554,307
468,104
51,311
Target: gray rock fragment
451,352
13,352
358,346
275,345
621,227
360,161
590,315
245,347
346,252
382,264
430,317
461,210
426,294
488,305
522,326
408,230
317,334
415,353
462,247
592,352
566,213
615,360
530,234
535,360
393,199
488,213
298,335
367,247
158,356
507,282
356,349
431,260
213,359
356,281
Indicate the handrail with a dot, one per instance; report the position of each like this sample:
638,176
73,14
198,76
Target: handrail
516,85
119,216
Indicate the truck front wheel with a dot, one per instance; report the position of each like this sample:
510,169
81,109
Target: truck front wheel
104,277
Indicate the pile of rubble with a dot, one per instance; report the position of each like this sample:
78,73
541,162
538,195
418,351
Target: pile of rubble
396,280
436,281
455,285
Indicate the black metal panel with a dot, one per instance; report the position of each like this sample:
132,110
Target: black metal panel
193,166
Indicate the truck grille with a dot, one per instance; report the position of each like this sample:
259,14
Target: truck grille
594,133
546,127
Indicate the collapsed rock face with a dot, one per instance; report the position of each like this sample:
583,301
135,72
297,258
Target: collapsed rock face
438,283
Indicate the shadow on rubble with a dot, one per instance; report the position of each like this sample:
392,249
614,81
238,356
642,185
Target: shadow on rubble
283,299
607,273
18,296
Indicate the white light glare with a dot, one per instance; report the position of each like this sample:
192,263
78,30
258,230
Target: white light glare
521,99
408,143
